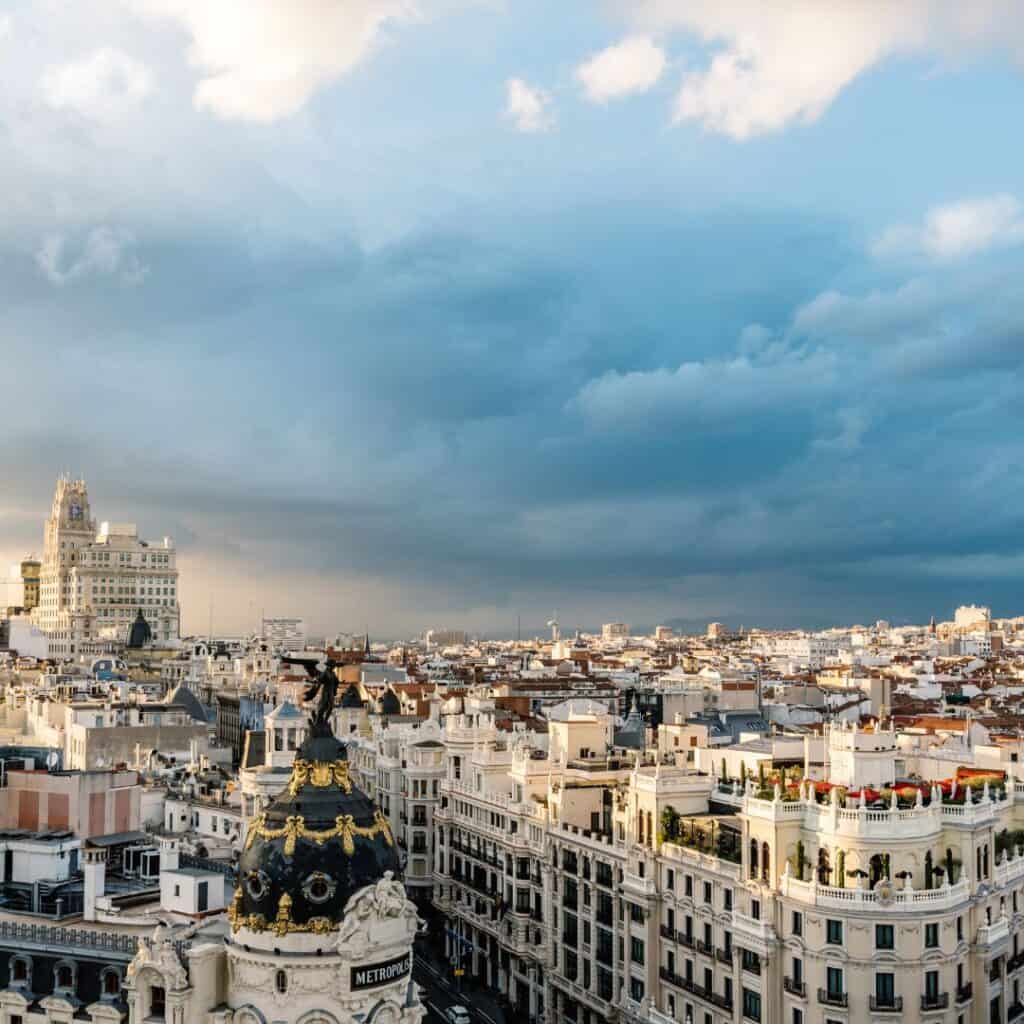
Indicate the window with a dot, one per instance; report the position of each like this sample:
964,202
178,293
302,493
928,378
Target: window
931,936
688,887
959,929
636,989
751,1004
798,923
885,937
727,899
798,1015
707,892
834,932
19,970
157,1002
885,989
798,971
64,976
755,909
670,880
834,981
636,950
931,985
111,983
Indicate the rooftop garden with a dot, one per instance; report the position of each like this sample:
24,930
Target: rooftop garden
966,786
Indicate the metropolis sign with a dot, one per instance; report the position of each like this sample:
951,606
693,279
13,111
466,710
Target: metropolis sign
371,975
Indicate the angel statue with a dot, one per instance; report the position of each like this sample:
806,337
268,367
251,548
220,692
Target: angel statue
325,685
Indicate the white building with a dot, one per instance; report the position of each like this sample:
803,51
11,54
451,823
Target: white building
95,581
615,631
285,634
971,615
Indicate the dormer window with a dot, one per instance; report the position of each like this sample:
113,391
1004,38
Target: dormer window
111,984
21,971
64,978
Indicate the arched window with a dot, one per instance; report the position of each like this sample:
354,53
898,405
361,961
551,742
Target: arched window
281,982
877,869
111,983
824,866
765,862
753,858
21,970
64,977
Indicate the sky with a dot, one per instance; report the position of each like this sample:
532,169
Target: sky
400,314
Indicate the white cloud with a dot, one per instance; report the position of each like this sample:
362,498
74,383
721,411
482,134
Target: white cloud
529,106
105,252
958,229
783,62
632,66
263,59
712,395
103,86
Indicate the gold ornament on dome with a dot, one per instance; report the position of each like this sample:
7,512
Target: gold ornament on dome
319,774
282,923
295,828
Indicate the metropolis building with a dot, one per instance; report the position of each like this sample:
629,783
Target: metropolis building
320,928
96,582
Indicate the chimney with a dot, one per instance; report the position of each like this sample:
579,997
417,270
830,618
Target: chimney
95,870
168,854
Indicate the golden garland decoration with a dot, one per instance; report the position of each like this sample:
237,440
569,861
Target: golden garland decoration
320,774
294,828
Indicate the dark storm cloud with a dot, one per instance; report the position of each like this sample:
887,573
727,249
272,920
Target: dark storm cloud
522,409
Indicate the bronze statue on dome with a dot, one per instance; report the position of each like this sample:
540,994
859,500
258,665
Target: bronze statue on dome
325,683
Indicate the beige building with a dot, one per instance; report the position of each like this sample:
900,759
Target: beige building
95,580
623,884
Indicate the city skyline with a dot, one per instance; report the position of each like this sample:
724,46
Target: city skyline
497,308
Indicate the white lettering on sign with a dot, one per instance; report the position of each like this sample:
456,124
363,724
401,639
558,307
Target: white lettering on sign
381,974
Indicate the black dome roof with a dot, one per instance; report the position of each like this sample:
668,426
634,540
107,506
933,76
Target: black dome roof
389,703
314,846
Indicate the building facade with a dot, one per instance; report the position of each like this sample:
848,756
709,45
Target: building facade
95,581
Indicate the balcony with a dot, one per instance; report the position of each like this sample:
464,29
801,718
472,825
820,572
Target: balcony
724,955
964,992
705,947
758,936
884,1004
994,937
686,938
668,933
1014,962
637,886
795,988
935,1001
827,998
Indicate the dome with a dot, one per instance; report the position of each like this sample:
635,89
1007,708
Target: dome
350,698
185,698
318,843
390,704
